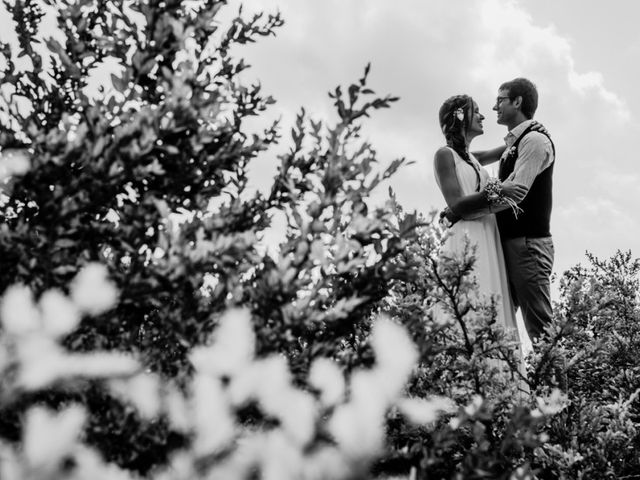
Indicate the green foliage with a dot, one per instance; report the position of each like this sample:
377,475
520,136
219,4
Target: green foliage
596,342
150,178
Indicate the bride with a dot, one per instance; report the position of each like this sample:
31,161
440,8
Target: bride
472,197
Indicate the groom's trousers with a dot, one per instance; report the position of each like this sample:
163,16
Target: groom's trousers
529,263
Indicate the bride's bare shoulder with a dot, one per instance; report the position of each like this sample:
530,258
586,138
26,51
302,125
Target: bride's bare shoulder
443,154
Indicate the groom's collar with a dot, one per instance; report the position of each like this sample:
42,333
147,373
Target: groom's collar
513,135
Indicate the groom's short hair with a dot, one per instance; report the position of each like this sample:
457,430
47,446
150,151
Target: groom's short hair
521,87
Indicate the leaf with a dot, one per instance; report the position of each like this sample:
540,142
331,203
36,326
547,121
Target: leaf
65,243
119,83
98,147
64,269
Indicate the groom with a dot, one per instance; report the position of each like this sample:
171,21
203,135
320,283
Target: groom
526,238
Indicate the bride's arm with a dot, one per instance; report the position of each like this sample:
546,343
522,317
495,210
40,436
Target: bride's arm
475,205
485,157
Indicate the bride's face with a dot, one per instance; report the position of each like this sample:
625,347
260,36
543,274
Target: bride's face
475,125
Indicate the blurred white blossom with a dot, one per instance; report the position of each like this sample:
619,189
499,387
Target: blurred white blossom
100,365
266,380
19,313
212,416
474,406
326,376
297,415
325,463
142,390
10,465
232,348
59,314
43,363
13,161
424,411
177,409
551,404
357,430
279,459
49,436
92,291
396,354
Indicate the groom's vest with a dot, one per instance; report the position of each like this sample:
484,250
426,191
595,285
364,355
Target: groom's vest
533,220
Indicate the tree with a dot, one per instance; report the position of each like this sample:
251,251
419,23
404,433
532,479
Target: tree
110,174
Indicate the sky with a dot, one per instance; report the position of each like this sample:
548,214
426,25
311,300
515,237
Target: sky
582,55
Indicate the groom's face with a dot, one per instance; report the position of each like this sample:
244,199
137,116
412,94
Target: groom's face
504,108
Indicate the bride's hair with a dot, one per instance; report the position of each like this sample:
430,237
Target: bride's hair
454,127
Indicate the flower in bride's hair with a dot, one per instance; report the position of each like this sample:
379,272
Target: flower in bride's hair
459,113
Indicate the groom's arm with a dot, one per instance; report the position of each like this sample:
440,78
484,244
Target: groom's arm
485,157
535,154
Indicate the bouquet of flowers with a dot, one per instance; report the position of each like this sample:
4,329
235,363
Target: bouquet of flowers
495,196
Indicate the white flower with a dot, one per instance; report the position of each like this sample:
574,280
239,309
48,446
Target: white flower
100,364
11,466
41,362
49,436
421,411
176,407
59,314
474,406
396,354
19,314
368,389
393,346
454,423
212,416
326,376
142,390
89,464
358,431
459,113
279,459
14,162
92,291
266,380
326,462
297,416
554,403
4,354
233,346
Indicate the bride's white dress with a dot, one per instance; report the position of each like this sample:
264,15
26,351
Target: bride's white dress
489,270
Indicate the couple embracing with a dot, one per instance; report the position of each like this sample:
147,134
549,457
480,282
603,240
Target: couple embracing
507,218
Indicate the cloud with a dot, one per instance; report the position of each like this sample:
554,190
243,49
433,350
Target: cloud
425,51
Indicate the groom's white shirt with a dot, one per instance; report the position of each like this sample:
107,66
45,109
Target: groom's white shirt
535,153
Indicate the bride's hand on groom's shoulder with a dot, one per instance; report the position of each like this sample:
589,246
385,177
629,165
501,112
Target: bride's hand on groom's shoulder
514,191
536,126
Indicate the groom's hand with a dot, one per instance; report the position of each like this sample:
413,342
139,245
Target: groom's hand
514,191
